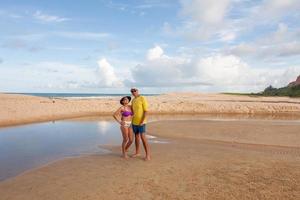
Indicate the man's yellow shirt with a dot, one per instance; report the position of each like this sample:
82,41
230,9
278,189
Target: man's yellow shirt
139,105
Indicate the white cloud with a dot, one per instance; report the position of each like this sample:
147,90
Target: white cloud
81,35
222,70
217,72
107,74
205,19
281,43
206,12
243,49
78,35
155,53
57,76
274,8
45,75
231,73
49,18
267,13
227,35
160,70
229,20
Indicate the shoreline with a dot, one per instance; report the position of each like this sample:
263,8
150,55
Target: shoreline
24,109
108,116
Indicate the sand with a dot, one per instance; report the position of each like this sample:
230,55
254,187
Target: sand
204,160
19,109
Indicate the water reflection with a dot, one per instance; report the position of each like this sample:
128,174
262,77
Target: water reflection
103,127
24,147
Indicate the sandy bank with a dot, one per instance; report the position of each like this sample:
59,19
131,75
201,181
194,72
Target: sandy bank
19,109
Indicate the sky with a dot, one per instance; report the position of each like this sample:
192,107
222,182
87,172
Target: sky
99,46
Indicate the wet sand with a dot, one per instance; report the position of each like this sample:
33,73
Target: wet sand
204,160
19,109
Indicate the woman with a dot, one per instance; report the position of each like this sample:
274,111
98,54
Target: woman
126,113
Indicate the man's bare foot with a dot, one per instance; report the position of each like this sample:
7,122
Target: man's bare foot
125,156
135,155
147,158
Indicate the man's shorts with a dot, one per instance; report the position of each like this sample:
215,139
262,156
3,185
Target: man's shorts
139,129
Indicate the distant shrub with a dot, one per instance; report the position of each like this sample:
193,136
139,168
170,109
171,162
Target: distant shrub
291,91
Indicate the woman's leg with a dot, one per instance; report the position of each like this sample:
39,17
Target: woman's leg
137,145
124,131
130,138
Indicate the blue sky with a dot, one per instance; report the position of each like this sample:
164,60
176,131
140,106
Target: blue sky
158,46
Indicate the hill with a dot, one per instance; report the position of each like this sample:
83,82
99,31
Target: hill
291,90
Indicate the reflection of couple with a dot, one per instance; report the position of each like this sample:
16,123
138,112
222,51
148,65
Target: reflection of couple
133,118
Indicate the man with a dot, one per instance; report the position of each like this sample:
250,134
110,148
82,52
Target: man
140,108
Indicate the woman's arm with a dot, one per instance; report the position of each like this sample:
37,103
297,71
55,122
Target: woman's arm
131,109
116,114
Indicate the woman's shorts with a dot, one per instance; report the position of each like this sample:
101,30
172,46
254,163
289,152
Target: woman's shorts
127,124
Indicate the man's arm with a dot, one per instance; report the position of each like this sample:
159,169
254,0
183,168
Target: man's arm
144,117
145,108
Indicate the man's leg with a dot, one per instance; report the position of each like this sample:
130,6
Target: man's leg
146,146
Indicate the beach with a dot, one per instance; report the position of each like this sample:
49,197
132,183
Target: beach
20,109
191,166
221,158
211,86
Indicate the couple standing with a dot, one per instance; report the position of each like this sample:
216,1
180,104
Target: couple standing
133,119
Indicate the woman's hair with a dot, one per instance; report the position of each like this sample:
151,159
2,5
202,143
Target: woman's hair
126,97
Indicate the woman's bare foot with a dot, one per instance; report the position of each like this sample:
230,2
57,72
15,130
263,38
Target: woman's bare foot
135,155
125,156
147,158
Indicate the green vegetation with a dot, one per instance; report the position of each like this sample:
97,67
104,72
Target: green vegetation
242,94
291,91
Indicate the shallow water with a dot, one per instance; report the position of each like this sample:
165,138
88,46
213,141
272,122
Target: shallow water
27,146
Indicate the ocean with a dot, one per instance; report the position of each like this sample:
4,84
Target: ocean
79,95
